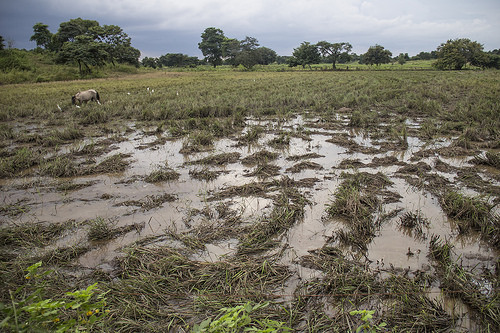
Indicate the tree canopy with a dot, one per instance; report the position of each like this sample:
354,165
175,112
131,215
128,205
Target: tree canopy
218,48
87,43
305,54
211,45
456,53
377,55
42,36
333,51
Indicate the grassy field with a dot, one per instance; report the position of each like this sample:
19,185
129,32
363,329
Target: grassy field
194,149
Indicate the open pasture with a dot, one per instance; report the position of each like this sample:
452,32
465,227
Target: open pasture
319,192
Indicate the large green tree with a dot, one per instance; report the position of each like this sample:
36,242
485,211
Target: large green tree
266,55
118,44
305,54
231,47
68,31
88,44
248,55
211,45
377,55
85,52
456,53
333,50
41,35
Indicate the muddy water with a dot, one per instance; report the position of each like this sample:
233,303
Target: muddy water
107,195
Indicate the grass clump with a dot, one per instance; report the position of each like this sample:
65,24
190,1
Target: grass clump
198,141
112,164
489,158
32,234
415,223
99,229
356,196
251,136
281,141
344,286
477,290
409,308
162,174
264,171
356,200
472,213
23,159
288,209
204,174
218,159
150,201
60,166
259,157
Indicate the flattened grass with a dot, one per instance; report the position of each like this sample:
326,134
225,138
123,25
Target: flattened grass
162,283
473,213
479,291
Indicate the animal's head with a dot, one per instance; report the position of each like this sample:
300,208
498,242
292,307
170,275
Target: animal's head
73,99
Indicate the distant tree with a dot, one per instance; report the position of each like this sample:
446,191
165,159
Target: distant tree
492,60
177,60
425,56
231,47
149,62
41,35
333,50
377,55
266,55
305,54
402,58
283,59
248,55
456,53
212,40
353,57
2,41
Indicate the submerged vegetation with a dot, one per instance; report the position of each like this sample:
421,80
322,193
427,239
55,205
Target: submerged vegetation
253,200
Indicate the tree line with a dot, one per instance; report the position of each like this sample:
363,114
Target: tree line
88,44
219,49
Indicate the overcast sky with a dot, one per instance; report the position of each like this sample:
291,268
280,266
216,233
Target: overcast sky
159,27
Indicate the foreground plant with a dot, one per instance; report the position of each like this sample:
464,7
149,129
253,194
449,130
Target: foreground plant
237,319
366,317
30,311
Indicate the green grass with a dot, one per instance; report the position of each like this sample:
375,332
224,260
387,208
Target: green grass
468,97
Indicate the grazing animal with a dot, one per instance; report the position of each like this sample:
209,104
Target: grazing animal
85,96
